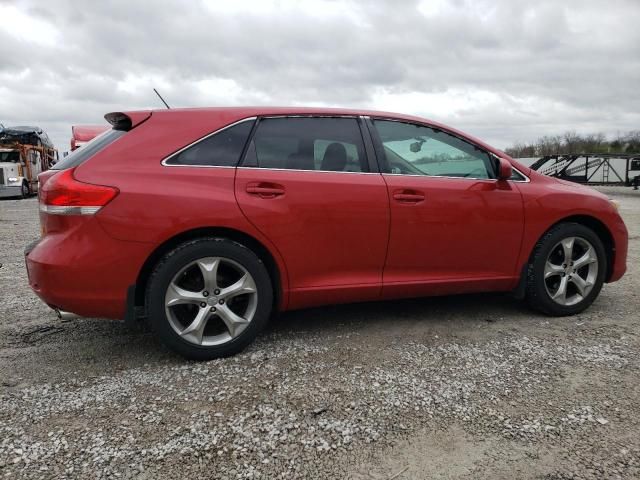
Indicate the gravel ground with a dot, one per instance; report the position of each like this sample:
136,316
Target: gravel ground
473,387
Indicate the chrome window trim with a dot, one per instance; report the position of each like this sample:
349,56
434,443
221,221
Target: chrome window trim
198,166
302,170
166,159
310,115
381,173
441,176
526,179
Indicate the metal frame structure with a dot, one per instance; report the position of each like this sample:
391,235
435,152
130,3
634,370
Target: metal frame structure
582,168
47,157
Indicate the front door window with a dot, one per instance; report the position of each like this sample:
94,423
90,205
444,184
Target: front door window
420,150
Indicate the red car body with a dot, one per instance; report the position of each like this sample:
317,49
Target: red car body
332,238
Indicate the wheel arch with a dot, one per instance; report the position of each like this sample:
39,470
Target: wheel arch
598,227
241,237
602,231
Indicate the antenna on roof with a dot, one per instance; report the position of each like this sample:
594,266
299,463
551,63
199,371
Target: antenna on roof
165,103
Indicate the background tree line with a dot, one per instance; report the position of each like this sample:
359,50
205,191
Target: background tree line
572,142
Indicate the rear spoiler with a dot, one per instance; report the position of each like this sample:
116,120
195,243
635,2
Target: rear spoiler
127,120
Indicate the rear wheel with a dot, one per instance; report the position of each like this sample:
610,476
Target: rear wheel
209,298
567,270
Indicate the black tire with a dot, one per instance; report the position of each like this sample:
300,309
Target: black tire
537,295
25,191
174,262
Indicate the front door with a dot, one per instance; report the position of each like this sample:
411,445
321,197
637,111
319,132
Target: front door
305,184
454,227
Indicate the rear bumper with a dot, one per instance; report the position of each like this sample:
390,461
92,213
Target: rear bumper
84,271
10,191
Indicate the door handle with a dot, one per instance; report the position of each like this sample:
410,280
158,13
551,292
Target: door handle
265,189
408,196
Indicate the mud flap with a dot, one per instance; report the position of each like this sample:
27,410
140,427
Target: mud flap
131,315
521,290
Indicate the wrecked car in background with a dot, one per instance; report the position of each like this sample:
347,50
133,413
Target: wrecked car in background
25,152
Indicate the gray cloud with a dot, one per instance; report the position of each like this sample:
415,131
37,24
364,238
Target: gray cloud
502,70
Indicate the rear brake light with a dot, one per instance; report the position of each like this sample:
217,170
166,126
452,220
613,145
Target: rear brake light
62,194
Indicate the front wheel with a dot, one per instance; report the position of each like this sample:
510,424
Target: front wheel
209,298
566,271
25,191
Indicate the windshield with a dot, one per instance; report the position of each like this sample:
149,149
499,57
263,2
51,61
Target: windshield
13,156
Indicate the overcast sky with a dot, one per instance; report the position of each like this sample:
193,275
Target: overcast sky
504,70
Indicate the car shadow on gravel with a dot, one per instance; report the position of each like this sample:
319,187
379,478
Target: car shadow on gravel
57,349
455,312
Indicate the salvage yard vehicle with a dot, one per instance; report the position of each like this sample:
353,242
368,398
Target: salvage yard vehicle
206,221
81,134
25,152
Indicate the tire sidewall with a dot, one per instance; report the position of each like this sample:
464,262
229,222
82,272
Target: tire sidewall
185,254
537,284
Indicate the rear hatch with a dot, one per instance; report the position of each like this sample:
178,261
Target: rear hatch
60,193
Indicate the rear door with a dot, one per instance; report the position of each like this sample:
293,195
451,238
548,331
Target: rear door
454,227
307,185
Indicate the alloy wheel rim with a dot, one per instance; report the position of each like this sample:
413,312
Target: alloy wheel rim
211,301
570,271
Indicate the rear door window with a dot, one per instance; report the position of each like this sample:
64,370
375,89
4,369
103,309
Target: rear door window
308,143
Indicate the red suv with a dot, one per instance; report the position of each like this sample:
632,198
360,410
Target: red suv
206,221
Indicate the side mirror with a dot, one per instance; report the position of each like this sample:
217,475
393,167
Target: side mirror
504,169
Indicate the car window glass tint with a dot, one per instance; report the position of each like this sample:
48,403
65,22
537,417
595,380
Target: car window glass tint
308,143
222,149
89,149
420,150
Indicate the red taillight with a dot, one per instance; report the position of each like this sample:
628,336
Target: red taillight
62,194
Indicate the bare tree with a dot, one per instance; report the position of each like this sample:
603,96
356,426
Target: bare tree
632,142
572,142
592,142
548,145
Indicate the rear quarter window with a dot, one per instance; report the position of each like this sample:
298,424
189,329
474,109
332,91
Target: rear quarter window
219,149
